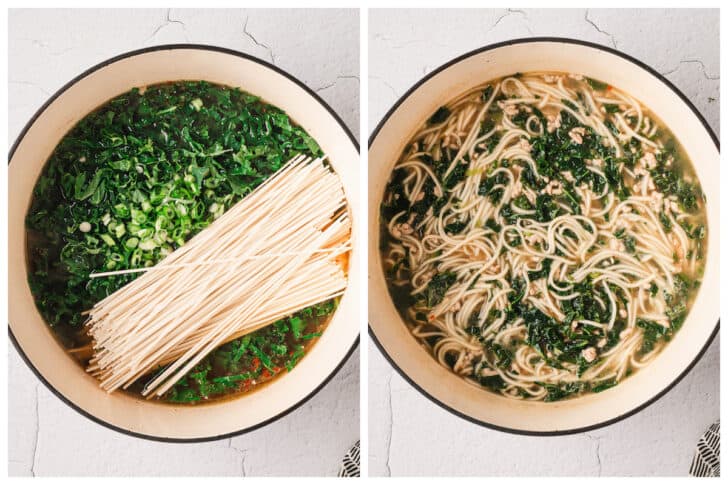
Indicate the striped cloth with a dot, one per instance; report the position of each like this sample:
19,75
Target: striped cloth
350,464
706,462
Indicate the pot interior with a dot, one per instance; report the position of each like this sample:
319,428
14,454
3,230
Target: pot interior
36,340
415,362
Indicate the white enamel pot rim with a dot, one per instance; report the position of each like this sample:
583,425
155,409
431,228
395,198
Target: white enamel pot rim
31,336
441,386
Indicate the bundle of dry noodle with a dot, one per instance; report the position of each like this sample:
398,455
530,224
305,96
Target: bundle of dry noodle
275,252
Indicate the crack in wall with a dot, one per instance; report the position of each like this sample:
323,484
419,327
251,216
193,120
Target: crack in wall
250,36
242,453
700,63
391,425
498,20
598,29
167,21
598,441
509,12
338,78
383,81
37,429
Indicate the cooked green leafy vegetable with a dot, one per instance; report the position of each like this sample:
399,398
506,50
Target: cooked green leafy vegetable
242,364
554,223
440,115
134,180
437,288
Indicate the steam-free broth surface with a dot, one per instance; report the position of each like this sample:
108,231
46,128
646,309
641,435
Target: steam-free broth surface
543,235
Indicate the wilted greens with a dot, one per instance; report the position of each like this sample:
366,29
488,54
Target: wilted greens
538,228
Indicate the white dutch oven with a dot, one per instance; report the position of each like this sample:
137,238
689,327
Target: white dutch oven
441,385
35,340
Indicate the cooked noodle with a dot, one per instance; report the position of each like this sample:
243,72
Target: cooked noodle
543,236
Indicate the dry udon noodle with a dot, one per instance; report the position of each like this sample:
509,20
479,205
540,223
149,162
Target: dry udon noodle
276,251
466,235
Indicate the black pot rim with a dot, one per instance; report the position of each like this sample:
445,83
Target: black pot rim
556,40
31,122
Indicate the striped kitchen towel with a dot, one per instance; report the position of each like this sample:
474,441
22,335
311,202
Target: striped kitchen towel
350,465
706,462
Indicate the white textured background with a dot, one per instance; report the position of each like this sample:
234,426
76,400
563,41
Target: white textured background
50,47
409,435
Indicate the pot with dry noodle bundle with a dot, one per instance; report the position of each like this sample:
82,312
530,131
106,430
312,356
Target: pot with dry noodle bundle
219,252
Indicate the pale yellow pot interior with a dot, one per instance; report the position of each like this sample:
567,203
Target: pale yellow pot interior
33,335
440,383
